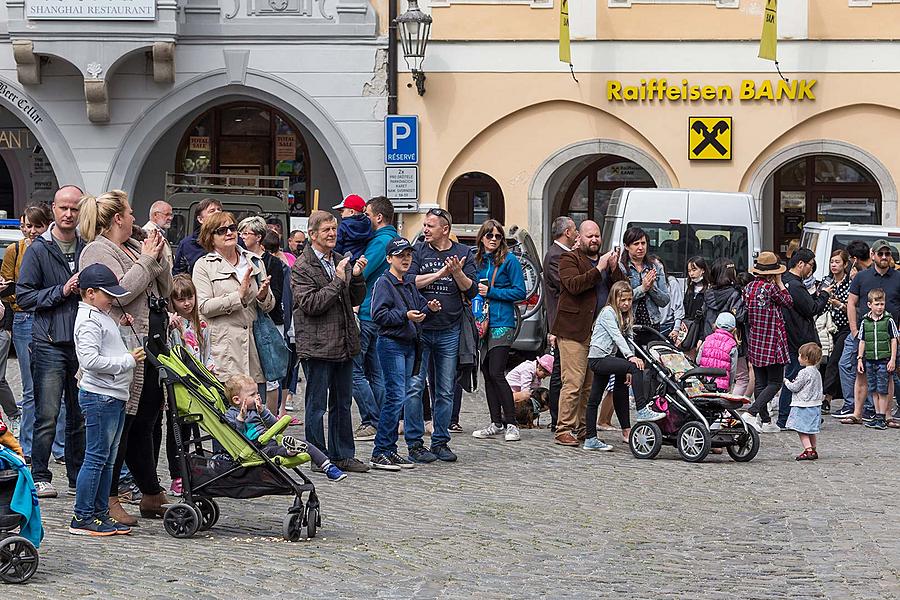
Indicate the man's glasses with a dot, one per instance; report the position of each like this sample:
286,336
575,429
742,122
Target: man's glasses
885,253
440,212
225,229
494,236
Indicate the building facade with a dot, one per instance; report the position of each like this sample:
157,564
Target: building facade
665,93
110,94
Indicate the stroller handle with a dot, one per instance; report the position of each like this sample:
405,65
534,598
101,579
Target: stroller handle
650,330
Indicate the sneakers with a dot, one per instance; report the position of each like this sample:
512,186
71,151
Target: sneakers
364,433
457,428
293,445
844,411
444,453
595,444
15,425
120,528
333,473
91,527
70,491
351,465
512,433
488,432
177,487
420,454
877,422
45,489
60,460
648,414
383,462
752,421
770,428
400,461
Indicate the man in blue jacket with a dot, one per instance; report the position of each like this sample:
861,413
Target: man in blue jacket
48,286
189,250
368,383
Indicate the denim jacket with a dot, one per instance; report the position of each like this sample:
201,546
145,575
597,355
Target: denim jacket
658,295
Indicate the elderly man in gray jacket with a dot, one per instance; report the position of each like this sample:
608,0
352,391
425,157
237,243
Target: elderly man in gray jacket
325,288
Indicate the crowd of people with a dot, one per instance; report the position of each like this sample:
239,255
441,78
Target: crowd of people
401,329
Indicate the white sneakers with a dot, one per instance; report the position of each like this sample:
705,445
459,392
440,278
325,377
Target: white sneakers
752,420
510,432
770,428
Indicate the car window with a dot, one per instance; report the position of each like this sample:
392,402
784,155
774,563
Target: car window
810,240
839,242
674,244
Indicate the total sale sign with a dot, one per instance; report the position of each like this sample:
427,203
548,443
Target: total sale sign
401,139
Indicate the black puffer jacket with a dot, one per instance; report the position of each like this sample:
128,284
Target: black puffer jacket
719,300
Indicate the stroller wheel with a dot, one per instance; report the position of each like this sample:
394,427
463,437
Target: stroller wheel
745,450
182,520
209,512
292,527
312,521
693,441
18,559
645,440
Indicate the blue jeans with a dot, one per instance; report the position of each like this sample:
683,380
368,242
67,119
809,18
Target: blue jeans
847,369
368,385
53,368
784,400
397,359
329,384
441,346
104,417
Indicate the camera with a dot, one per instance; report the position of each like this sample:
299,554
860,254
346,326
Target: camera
158,304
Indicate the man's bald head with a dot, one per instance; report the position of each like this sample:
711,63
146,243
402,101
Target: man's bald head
589,238
65,208
68,192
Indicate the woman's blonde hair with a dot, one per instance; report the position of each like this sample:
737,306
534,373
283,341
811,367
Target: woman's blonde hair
619,289
96,214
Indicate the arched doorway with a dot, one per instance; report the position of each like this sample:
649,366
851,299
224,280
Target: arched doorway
822,187
474,198
588,194
248,138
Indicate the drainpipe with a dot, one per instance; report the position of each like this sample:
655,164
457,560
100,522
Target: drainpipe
392,57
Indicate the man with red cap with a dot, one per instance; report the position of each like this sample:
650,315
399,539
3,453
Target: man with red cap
355,229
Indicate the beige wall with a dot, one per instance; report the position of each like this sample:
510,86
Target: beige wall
508,125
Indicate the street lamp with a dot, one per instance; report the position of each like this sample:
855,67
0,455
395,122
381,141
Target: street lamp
415,27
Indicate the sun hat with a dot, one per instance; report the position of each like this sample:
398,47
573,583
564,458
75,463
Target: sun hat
767,264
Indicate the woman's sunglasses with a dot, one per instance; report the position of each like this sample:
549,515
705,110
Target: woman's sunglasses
494,236
225,229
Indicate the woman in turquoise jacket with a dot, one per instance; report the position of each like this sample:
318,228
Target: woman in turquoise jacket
501,285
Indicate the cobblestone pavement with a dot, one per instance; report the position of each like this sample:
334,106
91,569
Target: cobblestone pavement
529,519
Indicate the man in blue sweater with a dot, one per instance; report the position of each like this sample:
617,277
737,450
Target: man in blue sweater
368,383
189,250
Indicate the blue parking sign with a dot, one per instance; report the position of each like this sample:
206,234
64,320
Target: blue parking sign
401,140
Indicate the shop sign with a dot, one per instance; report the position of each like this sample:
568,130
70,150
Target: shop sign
198,143
91,10
21,102
709,138
401,186
15,139
661,90
285,147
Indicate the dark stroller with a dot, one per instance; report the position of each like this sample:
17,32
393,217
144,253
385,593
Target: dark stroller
698,417
18,555
234,467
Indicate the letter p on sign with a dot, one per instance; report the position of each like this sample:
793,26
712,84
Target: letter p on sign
401,144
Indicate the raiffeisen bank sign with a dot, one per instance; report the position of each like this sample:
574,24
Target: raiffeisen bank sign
661,90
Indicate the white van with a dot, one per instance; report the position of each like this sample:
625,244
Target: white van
686,223
825,238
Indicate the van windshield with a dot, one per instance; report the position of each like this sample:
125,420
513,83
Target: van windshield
839,242
674,244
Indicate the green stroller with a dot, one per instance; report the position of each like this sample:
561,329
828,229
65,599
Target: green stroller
233,467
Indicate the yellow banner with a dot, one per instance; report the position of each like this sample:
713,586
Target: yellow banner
565,52
769,40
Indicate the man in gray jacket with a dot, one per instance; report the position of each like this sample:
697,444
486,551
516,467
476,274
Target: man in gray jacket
325,288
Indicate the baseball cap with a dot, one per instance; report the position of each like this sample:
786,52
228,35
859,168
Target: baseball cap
352,201
879,244
99,277
398,245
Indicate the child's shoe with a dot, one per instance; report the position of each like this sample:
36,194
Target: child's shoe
177,487
293,445
92,527
595,444
648,414
807,455
333,473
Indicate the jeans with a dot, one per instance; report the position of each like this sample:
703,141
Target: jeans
784,400
104,418
368,385
397,359
767,381
53,368
847,368
442,346
329,385
22,342
7,398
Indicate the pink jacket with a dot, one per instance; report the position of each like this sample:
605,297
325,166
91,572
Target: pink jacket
716,354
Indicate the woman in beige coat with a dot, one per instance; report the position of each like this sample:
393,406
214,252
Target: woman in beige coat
106,224
231,286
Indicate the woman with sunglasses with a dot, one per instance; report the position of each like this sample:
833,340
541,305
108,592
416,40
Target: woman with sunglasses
501,285
232,285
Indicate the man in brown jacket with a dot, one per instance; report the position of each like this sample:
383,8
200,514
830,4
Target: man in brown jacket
325,288
585,278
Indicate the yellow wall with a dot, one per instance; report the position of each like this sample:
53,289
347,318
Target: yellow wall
836,20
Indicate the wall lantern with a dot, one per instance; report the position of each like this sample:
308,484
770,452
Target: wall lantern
415,28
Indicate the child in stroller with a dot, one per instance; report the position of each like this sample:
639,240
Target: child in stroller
698,417
19,509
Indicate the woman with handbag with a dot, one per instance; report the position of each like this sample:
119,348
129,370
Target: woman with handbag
501,285
232,286
696,287
106,224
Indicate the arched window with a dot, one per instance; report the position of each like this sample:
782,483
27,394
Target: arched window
474,198
822,188
248,139
589,193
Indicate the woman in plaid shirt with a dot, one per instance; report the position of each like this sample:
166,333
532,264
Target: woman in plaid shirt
767,346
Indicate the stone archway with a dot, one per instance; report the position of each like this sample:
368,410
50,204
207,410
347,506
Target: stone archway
215,86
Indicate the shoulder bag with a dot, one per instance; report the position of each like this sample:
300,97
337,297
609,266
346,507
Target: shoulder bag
482,321
273,351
